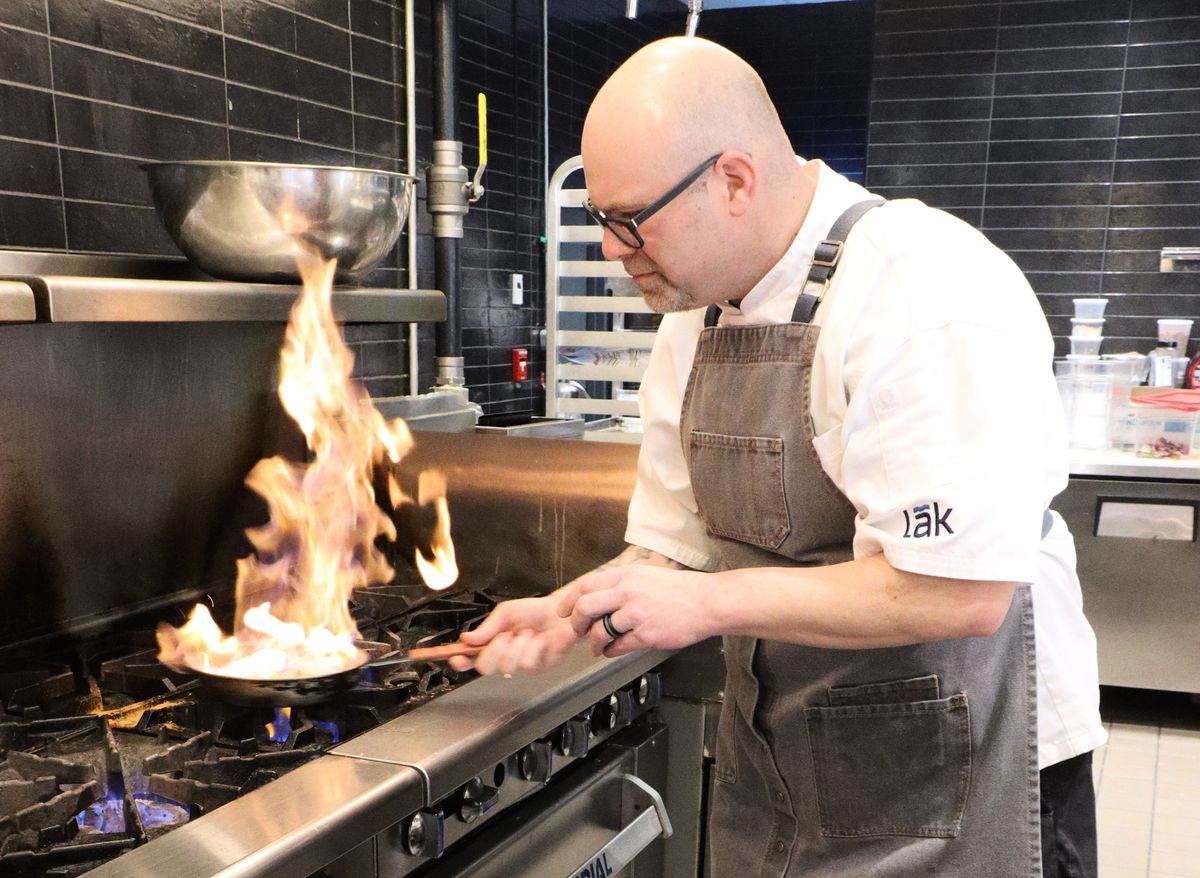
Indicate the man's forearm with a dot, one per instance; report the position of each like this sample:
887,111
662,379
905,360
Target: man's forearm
639,555
631,554
860,604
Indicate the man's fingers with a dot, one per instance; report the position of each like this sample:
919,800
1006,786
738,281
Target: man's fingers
589,584
566,603
489,660
589,609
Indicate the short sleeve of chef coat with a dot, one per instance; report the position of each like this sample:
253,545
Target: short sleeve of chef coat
952,442
663,515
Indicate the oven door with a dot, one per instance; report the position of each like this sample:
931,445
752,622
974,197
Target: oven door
601,817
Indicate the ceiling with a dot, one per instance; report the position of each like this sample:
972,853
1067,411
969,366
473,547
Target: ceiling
737,4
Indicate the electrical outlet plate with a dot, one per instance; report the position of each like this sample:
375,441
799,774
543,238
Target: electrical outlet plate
517,284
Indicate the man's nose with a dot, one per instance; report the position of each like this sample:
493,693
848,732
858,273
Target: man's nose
613,247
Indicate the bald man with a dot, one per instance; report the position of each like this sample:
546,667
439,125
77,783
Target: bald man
852,438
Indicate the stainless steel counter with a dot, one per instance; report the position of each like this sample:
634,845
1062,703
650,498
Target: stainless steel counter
1106,464
289,827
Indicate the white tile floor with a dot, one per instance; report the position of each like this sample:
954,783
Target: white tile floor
1148,802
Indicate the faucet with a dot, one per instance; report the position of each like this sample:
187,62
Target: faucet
693,18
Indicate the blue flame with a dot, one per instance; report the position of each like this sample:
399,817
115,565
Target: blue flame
107,816
281,729
328,727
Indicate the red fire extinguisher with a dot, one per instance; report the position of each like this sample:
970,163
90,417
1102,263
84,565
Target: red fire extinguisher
520,363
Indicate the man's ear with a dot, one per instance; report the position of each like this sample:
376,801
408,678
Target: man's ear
737,174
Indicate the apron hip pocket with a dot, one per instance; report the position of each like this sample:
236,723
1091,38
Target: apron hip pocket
891,767
738,484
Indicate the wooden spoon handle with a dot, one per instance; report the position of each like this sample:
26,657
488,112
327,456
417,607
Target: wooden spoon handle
443,652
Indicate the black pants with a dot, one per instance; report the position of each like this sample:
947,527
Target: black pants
1069,819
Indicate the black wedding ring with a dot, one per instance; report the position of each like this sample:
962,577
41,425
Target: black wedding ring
606,620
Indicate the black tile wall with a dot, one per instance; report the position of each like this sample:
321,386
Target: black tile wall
815,61
89,89
1067,130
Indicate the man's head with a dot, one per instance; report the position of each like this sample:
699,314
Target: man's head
684,107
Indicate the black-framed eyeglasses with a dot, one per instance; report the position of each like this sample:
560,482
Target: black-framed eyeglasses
626,227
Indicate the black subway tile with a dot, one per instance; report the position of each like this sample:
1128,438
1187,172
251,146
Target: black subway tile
26,113
118,130
24,57
1051,150
140,35
95,177
202,12
24,13
110,228
87,73
30,168
1106,33
1033,106
31,222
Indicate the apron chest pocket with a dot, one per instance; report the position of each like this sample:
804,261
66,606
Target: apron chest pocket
738,483
884,766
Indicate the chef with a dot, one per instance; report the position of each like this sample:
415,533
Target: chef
852,437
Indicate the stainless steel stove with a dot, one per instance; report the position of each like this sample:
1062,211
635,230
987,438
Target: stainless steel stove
134,398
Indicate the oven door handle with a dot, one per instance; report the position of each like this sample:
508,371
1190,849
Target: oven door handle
620,850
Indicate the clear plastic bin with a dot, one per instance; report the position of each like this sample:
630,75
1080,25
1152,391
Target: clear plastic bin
1083,327
1089,307
1163,433
1166,423
1088,346
1176,330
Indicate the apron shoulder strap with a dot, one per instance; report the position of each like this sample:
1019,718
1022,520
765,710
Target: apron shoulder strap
826,258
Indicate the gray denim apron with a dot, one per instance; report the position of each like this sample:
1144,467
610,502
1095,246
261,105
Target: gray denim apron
915,760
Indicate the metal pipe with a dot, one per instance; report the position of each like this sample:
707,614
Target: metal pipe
446,142
631,8
410,146
693,17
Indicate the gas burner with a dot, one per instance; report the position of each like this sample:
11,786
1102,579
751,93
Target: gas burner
111,748
29,689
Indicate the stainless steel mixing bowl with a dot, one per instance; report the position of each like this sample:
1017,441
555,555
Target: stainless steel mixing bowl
247,220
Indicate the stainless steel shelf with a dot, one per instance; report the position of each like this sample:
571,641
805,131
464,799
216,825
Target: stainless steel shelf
16,302
1179,259
82,288
66,299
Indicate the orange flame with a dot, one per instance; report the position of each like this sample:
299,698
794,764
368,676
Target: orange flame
292,617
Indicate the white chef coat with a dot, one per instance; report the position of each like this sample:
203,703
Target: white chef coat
935,412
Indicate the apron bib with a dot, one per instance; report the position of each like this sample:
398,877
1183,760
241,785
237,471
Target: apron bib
900,761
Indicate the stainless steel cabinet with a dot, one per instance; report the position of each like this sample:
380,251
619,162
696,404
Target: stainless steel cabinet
1139,564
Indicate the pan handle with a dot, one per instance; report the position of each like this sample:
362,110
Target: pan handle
430,654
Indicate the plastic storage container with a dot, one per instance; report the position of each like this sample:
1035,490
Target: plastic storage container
1089,307
1165,423
1082,327
1176,330
1087,346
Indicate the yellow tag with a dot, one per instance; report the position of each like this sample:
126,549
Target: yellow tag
482,128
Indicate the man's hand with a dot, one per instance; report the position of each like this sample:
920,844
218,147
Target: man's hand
654,606
520,636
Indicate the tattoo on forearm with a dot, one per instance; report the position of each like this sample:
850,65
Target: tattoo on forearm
635,555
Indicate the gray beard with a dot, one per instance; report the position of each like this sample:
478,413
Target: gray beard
664,297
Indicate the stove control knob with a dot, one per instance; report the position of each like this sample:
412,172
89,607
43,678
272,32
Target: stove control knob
535,762
618,709
574,737
425,834
648,691
477,799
